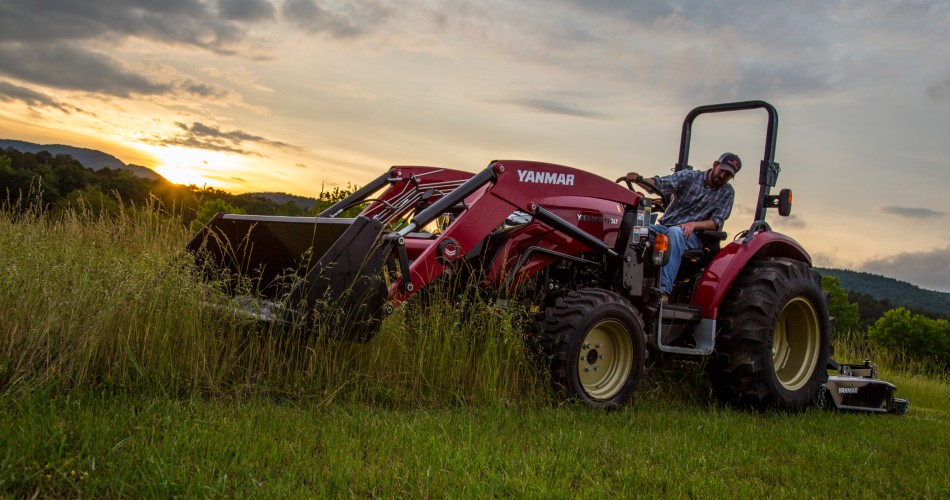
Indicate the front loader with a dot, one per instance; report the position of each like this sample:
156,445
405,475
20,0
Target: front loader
573,248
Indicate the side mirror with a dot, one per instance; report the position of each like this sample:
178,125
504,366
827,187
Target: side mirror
783,202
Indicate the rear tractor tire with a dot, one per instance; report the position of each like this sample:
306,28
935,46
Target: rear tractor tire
594,343
774,343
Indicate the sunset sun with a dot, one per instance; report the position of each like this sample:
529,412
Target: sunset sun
191,166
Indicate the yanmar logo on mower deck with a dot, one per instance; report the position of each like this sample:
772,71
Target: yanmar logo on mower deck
847,390
545,177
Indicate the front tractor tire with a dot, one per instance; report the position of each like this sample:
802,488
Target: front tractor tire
774,342
594,343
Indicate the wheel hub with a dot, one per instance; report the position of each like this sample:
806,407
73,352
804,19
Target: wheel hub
592,356
606,359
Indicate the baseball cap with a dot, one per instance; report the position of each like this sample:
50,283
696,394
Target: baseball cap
730,162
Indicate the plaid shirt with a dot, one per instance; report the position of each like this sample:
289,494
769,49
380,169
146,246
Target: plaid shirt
693,200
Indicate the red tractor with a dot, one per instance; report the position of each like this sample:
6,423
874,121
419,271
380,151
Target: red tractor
571,246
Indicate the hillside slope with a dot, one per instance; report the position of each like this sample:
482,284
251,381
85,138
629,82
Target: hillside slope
90,158
899,293
303,202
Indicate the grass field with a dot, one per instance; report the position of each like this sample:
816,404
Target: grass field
133,445
119,377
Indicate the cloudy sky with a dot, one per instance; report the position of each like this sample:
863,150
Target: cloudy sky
292,95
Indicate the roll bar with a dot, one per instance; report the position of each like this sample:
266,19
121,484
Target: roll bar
768,168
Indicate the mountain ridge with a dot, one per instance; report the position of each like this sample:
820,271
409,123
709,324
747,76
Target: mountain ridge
304,202
897,292
90,158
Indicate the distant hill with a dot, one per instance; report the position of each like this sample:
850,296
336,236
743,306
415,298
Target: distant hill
303,202
90,158
896,292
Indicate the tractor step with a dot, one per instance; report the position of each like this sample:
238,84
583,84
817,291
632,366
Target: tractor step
703,329
682,312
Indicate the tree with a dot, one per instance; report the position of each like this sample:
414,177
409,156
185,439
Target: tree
845,313
209,207
15,182
291,209
326,199
914,334
91,200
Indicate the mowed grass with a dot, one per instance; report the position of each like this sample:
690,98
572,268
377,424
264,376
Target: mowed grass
151,446
119,376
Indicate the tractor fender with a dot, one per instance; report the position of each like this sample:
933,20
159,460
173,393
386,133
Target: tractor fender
731,260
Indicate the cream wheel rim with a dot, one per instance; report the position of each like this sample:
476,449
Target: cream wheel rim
606,360
796,343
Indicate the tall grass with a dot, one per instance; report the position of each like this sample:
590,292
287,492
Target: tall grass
112,303
854,347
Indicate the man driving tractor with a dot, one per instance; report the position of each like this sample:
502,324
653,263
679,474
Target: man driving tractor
701,201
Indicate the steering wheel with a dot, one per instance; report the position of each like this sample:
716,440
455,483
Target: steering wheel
648,185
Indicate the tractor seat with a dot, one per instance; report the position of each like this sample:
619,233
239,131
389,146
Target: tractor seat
711,244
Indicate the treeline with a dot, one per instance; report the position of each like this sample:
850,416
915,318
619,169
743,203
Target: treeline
59,182
870,308
878,294
921,335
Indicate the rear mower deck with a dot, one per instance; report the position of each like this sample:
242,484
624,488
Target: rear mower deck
857,388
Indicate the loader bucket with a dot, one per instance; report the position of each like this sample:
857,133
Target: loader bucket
316,270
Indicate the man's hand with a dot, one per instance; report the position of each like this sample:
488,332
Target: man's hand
701,225
634,177
688,228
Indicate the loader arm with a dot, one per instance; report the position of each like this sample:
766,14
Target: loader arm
493,194
406,188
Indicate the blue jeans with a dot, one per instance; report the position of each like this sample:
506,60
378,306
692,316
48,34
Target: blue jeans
678,246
